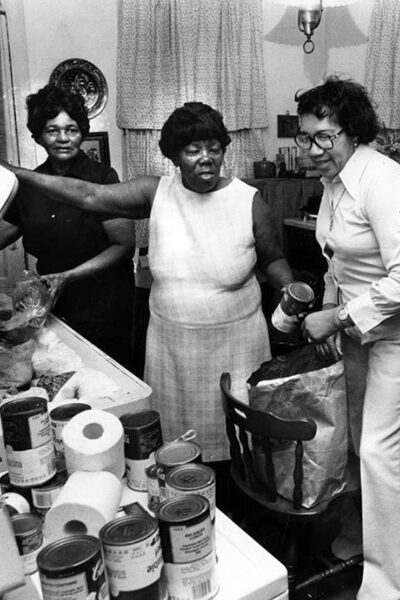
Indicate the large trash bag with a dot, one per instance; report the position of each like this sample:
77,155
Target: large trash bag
303,385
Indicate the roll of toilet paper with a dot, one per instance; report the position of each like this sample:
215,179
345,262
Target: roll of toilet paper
8,188
94,441
88,500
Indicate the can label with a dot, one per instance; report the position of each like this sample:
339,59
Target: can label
29,545
29,548
57,428
194,580
30,467
296,299
74,587
188,544
72,568
43,497
24,432
136,478
282,321
133,566
153,489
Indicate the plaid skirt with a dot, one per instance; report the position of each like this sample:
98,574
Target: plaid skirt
184,365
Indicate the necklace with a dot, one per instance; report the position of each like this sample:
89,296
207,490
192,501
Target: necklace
333,209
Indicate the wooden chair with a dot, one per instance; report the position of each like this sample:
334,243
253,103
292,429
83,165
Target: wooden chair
246,425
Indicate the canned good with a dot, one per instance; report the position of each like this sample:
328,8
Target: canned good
44,495
29,536
296,300
6,486
174,454
132,555
188,547
28,441
59,417
142,435
72,568
192,479
15,503
153,489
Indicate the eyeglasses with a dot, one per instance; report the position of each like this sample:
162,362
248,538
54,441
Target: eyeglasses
322,140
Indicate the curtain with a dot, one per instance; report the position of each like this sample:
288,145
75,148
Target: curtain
174,51
383,61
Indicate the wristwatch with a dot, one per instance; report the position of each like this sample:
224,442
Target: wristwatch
343,316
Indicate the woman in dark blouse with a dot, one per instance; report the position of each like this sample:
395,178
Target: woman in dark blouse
86,257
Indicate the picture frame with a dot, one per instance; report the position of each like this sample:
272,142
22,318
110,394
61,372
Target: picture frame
287,125
95,146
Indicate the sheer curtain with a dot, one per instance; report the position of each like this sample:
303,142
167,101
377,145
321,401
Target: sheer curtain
383,61
174,51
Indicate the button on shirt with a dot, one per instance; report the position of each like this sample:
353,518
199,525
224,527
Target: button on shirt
358,229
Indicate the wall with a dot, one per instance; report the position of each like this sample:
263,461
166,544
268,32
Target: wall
45,32
340,46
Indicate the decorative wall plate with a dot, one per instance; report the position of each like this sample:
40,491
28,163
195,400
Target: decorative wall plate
83,77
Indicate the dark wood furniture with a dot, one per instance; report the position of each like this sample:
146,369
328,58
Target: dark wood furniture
286,196
303,251
247,428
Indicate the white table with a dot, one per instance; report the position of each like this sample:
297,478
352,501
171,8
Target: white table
246,571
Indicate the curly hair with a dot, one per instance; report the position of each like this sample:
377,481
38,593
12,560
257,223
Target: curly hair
191,122
345,101
48,102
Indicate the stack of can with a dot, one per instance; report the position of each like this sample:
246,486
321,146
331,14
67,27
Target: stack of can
174,454
188,547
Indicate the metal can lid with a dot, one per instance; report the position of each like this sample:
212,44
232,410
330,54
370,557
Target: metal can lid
301,291
190,477
71,551
140,419
67,411
28,406
177,453
182,508
26,523
57,481
127,530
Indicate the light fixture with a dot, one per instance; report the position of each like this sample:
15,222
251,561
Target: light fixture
309,17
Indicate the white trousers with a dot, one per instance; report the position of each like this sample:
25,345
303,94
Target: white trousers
373,388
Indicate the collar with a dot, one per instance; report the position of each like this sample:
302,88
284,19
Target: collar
353,170
76,169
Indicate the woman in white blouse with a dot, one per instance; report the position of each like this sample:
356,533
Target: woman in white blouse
358,228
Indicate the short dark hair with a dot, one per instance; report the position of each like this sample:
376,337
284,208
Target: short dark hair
345,101
48,102
191,122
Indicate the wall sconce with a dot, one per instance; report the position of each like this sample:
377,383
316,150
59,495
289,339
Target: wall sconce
309,17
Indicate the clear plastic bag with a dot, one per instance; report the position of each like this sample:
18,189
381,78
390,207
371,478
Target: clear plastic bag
31,300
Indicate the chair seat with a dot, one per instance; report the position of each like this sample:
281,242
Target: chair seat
284,506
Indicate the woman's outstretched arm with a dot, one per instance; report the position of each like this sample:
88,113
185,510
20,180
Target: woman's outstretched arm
132,199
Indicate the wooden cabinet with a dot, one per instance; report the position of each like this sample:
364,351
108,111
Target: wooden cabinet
286,197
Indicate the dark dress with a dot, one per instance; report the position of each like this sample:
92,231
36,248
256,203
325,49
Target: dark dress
99,307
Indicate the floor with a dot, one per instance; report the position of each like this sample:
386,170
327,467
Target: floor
337,586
